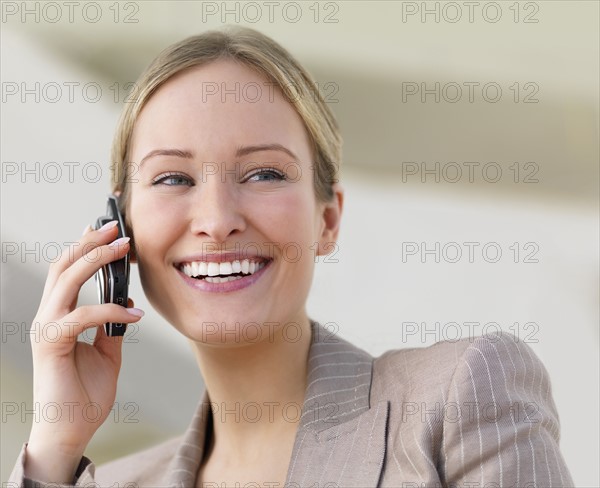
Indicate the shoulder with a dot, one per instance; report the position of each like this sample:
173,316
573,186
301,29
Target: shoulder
142,467
488,362
478,408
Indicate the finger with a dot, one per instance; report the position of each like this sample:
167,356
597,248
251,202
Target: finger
49,282
74,252
87,316
111,346
67,287
86,243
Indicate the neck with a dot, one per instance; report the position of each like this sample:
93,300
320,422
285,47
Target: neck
257,389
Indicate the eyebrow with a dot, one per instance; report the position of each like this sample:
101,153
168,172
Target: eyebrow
167,152
245,150
241,151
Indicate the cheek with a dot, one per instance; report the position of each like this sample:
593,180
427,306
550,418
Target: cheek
154,228
289,215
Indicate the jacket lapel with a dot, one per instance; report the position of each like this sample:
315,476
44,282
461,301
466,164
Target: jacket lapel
184,465
341,438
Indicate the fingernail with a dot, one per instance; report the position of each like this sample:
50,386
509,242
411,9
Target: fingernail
108,225
136,311
86,230
119,242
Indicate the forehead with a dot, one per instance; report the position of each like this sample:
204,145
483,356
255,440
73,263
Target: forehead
223,103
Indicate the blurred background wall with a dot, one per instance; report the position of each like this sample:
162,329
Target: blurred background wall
463,123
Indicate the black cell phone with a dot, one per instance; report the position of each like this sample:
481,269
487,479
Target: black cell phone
112,279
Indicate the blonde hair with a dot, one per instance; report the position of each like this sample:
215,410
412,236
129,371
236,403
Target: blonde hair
258,52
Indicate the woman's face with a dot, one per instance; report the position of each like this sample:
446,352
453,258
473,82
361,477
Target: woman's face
209,190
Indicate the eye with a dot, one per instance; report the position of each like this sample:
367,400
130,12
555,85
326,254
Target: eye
268,174
172,179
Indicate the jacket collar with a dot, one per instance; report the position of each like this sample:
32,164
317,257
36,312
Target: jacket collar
340,438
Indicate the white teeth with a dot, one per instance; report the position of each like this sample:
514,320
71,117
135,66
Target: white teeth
213,269
217,279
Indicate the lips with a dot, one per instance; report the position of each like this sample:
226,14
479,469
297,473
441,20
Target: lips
222,270
221,258
227,283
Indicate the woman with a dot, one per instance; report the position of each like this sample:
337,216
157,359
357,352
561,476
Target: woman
226,167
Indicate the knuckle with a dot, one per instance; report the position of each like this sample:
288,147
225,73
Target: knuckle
84,314
77,315
91,255
52,276
114,309
63,278
55,267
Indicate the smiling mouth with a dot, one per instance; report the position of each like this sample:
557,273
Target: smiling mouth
222,272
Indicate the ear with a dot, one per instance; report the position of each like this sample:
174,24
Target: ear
331,213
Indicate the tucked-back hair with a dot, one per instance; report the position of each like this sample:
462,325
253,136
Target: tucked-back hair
260,53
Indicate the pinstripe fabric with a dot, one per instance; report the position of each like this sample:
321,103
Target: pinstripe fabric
472,413
340,440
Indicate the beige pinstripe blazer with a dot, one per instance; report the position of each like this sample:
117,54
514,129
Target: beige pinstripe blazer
472,413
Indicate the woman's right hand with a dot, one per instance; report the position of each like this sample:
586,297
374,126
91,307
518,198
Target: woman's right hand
74,383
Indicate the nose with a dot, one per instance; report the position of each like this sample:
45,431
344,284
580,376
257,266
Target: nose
216,213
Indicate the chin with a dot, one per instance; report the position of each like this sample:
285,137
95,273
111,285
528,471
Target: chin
233,333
